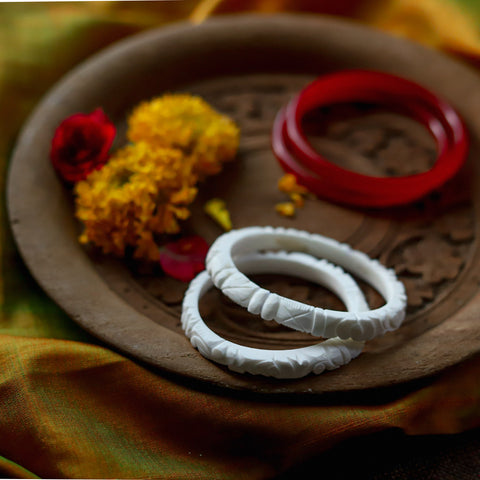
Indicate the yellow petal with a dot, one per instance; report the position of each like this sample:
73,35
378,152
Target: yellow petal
217,209
297,199
287,209
288,184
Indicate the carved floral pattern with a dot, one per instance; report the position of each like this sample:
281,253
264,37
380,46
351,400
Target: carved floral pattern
432,258
458,226
418,292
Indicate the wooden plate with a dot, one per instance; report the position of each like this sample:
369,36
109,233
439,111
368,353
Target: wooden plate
248,66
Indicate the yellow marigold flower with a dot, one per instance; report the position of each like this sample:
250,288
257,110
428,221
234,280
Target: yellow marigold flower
142,191
189,124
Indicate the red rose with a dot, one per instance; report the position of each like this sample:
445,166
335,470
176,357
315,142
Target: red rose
185,258
81,144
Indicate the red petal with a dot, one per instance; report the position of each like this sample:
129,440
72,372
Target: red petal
184,258
99,116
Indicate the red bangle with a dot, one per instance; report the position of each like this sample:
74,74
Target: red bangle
330,181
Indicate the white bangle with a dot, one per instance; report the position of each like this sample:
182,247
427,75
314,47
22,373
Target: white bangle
238,287
292,363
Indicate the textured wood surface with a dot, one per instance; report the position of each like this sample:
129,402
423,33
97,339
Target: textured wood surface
248,67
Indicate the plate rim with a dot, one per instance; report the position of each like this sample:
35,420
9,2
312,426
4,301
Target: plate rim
130,43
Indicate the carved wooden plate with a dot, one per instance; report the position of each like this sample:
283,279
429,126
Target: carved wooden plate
248,66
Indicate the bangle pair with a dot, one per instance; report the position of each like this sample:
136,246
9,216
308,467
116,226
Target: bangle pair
327,180
295,253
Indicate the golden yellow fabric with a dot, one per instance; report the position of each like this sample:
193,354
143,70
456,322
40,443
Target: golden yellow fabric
70,407
75,410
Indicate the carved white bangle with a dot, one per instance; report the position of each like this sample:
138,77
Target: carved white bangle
220,264
291,363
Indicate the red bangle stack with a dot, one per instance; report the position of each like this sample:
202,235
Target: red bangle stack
327,180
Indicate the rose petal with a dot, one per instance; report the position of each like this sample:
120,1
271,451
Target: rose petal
184,258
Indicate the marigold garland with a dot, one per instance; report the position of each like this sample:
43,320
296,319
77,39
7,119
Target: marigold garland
145,188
